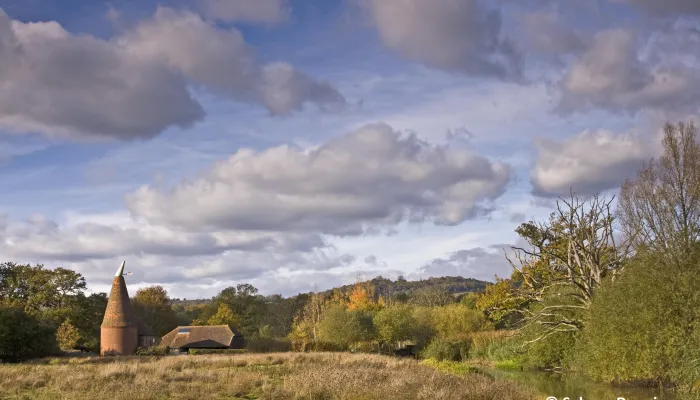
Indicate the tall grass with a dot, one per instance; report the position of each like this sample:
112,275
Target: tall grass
262,376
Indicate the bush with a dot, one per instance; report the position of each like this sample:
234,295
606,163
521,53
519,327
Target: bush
268,345
197,352
447,349
23,336
648,318
495,345
365,347
457,319
153,351
553,352
321,345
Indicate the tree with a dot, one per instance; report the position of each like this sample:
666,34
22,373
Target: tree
24,336
432,296
361,297
345,328
67,335
457,320
246,303
568,258
305,326
152,304
660,209
35,288
224,316
395,323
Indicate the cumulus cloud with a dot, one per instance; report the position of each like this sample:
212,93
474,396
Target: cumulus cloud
589,162
55,82
479,263
612,74
546,32
266,11
374,177
453,35
226,65
136,85
42,238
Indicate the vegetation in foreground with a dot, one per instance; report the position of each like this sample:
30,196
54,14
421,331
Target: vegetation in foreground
249,376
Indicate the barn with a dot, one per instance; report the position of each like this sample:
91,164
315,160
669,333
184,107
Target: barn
184,338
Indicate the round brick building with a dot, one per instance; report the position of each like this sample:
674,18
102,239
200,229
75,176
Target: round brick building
119,331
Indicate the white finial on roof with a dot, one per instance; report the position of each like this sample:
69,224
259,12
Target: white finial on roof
120,271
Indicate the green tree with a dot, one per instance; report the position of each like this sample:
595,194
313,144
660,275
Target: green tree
24,336
224,316
152,305
245,302
395,323
457,320
346,328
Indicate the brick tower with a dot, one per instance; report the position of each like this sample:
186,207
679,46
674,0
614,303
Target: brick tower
119,331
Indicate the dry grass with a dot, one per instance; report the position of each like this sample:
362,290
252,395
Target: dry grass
249,376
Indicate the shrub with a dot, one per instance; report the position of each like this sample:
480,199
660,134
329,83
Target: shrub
648,318
458,319
195,352
495,345
23,336
365,347
153,351
553,352
268,345
447,349
321,345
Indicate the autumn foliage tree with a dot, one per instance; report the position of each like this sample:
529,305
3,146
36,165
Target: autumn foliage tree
67,335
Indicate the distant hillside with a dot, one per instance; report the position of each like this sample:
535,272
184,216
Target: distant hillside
387,288
454,284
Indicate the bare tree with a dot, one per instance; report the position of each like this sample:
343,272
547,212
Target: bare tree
660,209
568,258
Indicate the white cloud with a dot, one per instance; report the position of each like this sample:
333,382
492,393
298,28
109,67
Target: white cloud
612,74
266,11
478,262
454,35
59,83
590,162
136,85
80,240
374,177
547,32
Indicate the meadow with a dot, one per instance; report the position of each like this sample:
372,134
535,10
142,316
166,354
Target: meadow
248,376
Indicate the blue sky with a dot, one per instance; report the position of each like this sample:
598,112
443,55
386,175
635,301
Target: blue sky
298,144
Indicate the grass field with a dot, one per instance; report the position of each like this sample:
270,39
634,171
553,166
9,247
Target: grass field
248,376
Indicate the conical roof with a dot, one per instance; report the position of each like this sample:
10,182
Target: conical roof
119,313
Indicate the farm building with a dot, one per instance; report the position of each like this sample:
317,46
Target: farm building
121,331
184,338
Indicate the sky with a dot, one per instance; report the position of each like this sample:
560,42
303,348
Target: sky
300,144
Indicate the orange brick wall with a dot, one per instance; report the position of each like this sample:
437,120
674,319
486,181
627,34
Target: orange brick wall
118,341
